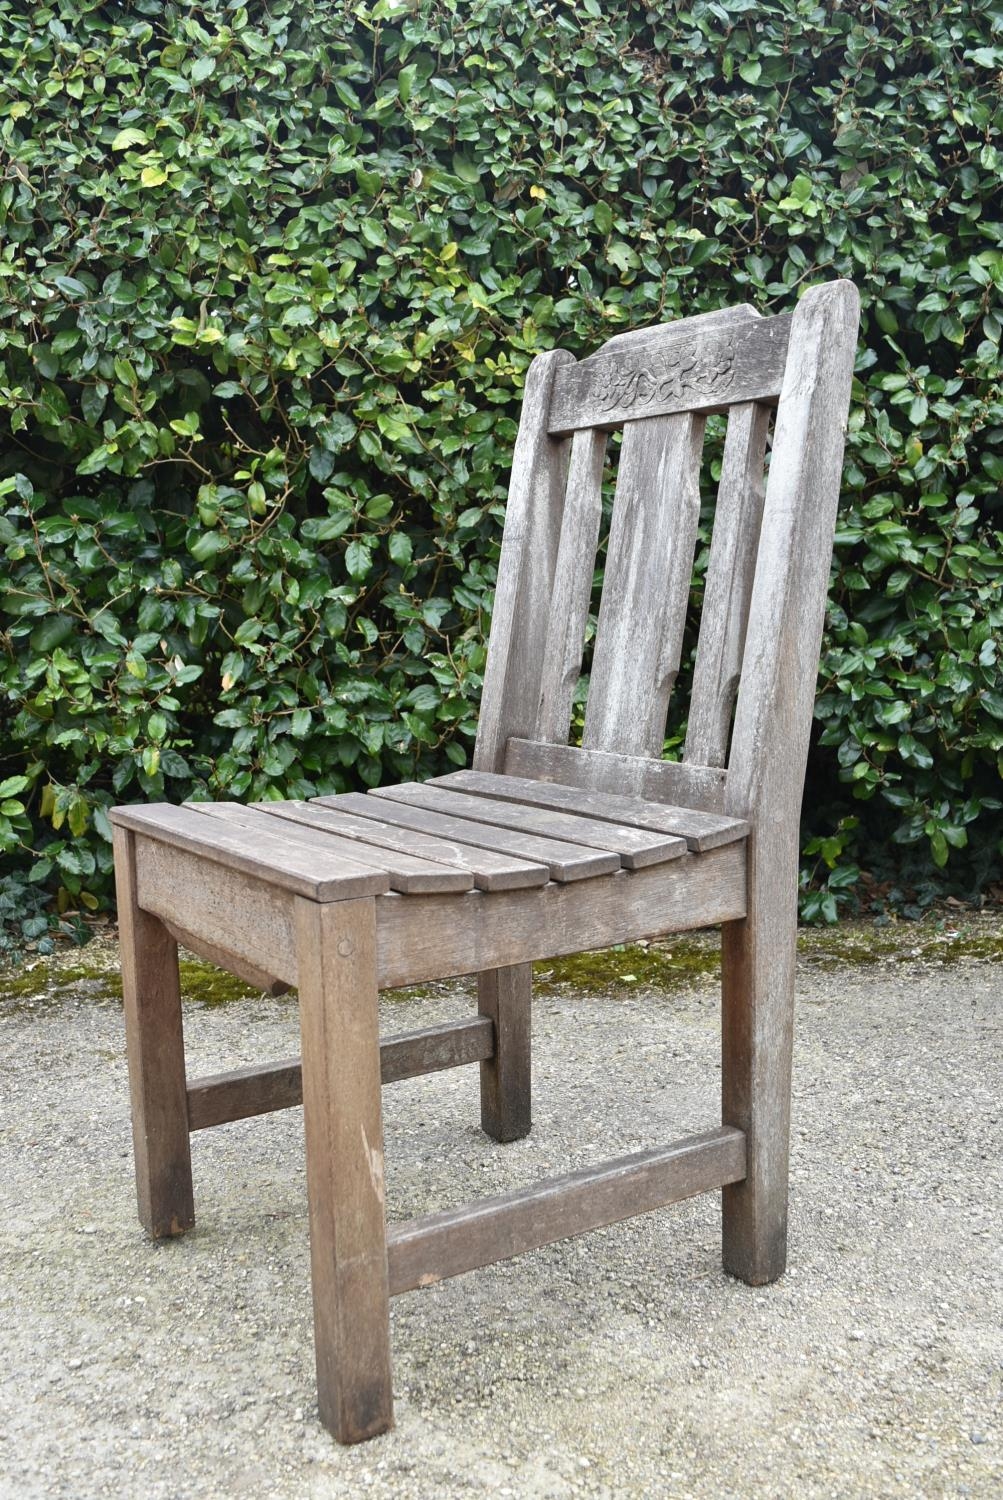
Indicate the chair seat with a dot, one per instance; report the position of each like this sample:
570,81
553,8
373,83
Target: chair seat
508,870
467,830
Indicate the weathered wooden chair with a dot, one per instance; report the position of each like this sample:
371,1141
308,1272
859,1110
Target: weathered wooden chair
542,848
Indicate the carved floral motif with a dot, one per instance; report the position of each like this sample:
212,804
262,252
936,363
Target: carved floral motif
668,376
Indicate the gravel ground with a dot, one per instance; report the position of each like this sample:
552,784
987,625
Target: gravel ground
620,1364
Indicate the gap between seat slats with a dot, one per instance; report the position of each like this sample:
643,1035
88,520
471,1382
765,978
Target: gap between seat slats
408,873
490,869
271,857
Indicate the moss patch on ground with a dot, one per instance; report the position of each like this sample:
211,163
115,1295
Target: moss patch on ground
669,964
91,975
935,941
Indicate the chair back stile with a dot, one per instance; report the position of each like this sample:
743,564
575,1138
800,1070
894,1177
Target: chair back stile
769,743
510,698
765,585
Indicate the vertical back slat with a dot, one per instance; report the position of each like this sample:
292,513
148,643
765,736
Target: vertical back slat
511,694
730,572
572,591
780,662
646,585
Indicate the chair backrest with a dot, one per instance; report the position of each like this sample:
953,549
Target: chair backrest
767,573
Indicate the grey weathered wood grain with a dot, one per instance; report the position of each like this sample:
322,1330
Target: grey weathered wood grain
447,1244
682,825
380,838
156,1053
256,1090
728,589
649,565
451,1044
787,608
406,804
235,915
342,1124
277,859
439,936
675,782
241,1093
489,870
767,763
683,369
636,844
636,340
572,588
225,958
314,828
511,692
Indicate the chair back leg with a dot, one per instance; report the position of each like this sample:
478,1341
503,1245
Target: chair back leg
506,996
757,971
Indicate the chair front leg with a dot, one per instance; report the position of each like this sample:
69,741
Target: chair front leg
339,1024
506,995
156,1052
757,969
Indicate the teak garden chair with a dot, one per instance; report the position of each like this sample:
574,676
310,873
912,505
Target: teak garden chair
542,848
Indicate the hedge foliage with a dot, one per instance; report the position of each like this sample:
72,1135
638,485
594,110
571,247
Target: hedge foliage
270,277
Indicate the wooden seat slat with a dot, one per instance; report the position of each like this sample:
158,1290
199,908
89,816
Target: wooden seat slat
700,830
636,846
565,861
491,870
269,856
406,872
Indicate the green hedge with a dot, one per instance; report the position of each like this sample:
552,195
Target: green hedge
270,277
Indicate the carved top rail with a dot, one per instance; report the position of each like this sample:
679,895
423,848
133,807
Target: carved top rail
675,368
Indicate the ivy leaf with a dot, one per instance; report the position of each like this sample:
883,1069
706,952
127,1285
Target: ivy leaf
400,548
131,136
622,256
279,398
358,560
465,168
